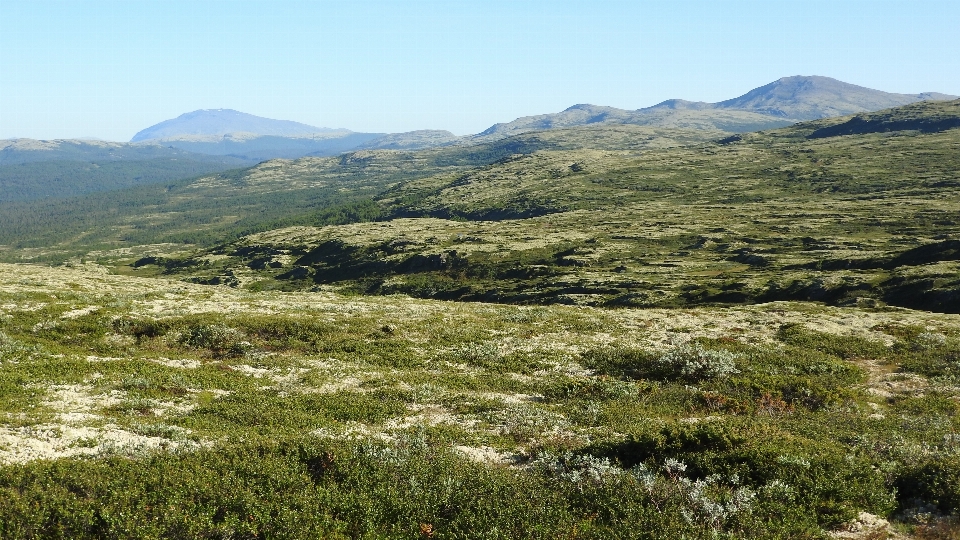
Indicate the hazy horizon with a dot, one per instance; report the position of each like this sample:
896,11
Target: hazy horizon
106,69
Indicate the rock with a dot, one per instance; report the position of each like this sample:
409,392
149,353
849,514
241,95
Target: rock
865,526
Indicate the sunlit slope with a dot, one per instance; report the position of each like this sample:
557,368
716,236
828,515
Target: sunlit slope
216,208
780,103
786,214
32,169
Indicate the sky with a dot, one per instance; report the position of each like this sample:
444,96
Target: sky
109,68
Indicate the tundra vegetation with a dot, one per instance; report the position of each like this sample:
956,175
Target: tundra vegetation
596,332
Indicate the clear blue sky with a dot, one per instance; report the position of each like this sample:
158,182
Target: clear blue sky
107,69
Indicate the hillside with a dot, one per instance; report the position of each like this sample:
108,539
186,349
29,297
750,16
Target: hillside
745,219
31,169
211,209
778,104
411,140
22,151
584,114
252,147
154,406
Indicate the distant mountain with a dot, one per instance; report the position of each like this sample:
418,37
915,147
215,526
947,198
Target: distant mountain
220,122
225,132
807,98
32,169
585,114
780,103
411,140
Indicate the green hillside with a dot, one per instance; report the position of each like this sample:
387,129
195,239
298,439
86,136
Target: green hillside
210,210
780,215
32,169
63,179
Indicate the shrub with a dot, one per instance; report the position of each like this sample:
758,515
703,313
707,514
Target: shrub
686,362
933,481
220,340
13,350
622,362
826,481
574,468
139,328
694,363
926,341
845,347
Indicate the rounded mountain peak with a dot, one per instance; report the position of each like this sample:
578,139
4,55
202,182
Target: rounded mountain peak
220,122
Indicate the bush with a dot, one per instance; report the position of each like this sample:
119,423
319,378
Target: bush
139,328
219,339
693,363
934,481
13,350
845,347
826,481
687,362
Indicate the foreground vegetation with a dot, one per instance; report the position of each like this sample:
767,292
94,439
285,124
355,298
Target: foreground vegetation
195,411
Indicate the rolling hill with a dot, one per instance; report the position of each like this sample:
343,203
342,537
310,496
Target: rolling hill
32,169
778,104
782,215
213,208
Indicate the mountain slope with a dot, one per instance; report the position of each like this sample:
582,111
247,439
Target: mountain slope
412,140
760,217
220,122
20,151
225,132
585,114
778,104
923,117
31,169
263,148
811,98
211,209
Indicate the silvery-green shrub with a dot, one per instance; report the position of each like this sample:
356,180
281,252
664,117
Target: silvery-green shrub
694,362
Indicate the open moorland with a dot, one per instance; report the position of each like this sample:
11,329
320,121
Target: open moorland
591,332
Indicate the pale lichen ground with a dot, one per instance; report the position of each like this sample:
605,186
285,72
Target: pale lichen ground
74,422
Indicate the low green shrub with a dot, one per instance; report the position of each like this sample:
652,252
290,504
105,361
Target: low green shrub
220,340
827,481
412,488
934,480
140,328
692,362
267,411
845,347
